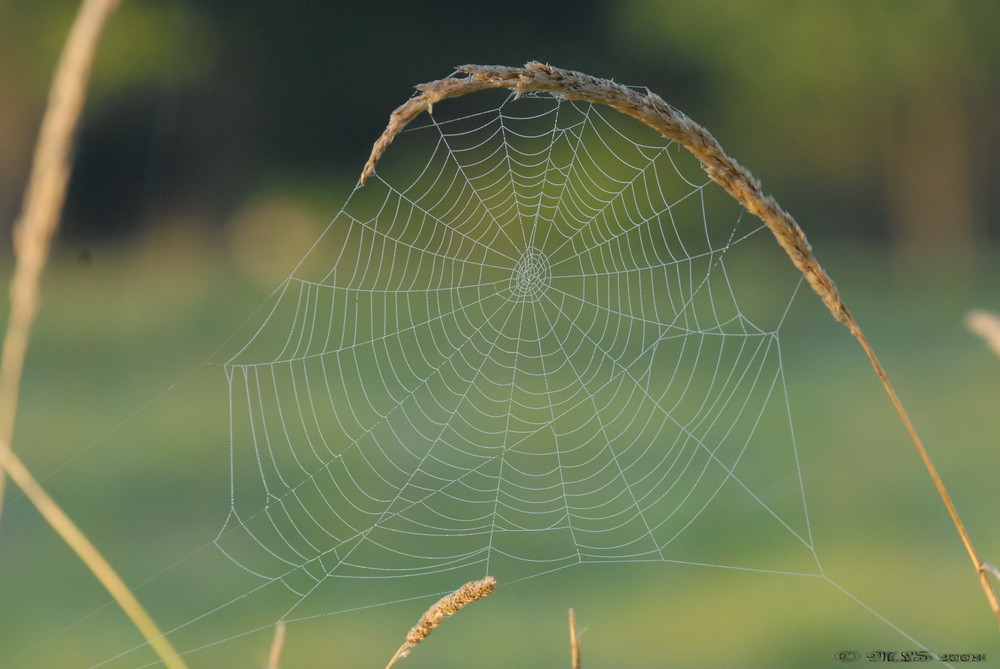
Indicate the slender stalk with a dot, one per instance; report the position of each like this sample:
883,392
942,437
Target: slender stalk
43,199
33,233
448,605
574,642
277,644
652,110
90,556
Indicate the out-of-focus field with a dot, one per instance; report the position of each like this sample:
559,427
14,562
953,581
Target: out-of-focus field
869,121
124,416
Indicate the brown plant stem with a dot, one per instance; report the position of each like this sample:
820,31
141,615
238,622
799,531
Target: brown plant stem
653,111
43,199
90,556
277,644
444,607
33,233
574,642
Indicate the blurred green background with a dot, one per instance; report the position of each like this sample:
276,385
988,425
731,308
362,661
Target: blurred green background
219,140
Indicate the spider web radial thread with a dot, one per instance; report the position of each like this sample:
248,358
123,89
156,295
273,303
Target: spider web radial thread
518,348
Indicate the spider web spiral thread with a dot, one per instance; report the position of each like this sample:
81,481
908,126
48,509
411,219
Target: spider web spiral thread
525,352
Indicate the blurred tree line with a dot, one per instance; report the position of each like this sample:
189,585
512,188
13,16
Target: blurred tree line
870,120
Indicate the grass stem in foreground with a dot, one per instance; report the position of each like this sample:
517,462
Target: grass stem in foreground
446,606
574,641
43,201
652,110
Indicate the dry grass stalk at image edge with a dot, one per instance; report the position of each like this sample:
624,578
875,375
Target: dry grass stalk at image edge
33,233
652,110
446,606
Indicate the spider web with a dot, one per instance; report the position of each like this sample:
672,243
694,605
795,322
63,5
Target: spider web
520,347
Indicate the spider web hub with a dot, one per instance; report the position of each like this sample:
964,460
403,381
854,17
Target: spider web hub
531,276
518,348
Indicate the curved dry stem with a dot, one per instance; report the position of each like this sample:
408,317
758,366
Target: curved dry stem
444,607
33,233
90,556
44,196
653,111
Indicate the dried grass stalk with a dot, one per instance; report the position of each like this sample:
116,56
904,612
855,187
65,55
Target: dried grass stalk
647,107
652,110
43,199
574,641
33,233
446,606
277,645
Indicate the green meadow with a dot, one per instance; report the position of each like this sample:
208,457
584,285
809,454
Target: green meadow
533,346
125,415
